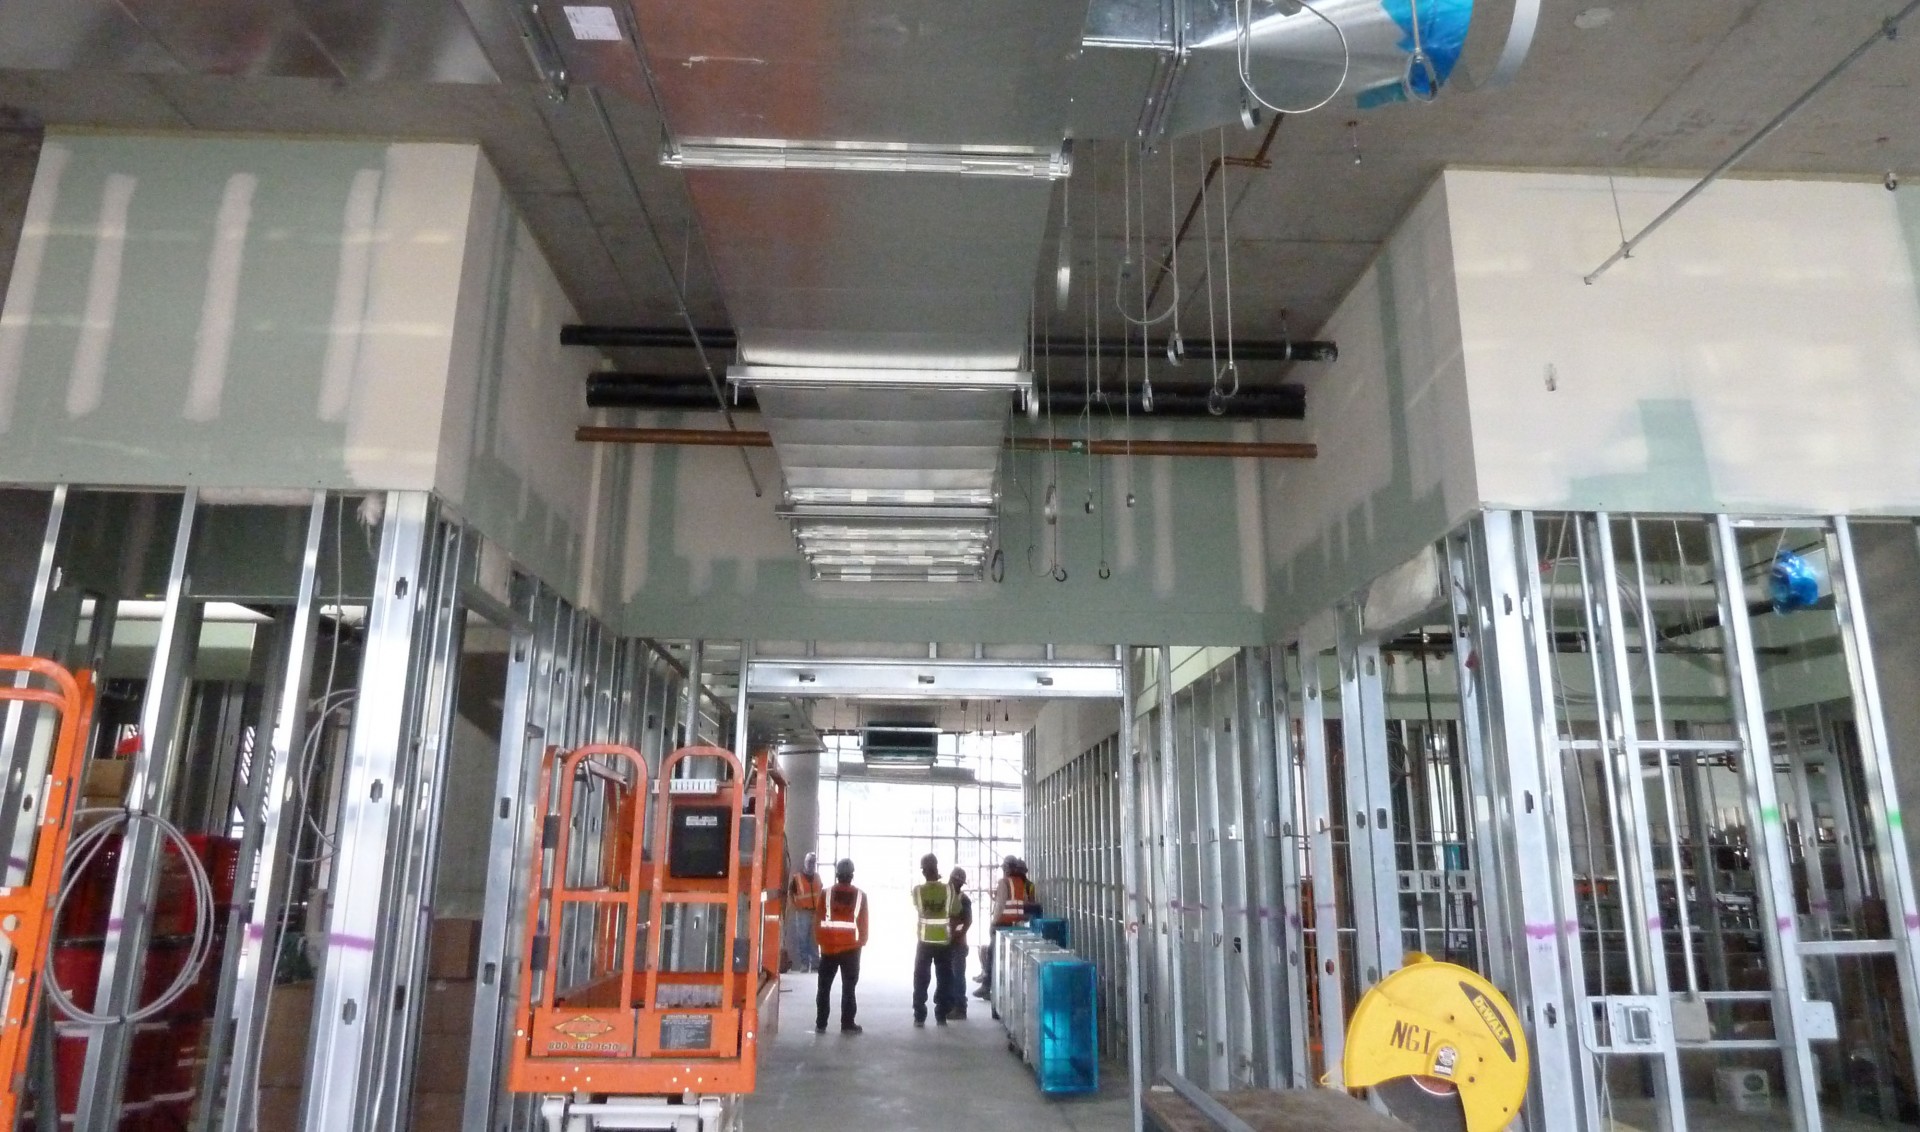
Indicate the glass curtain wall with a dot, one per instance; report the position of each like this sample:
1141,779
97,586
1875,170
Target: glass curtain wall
966,809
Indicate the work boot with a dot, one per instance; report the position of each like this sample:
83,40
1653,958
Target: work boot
851,1030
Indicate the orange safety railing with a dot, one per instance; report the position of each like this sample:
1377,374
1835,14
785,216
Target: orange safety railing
643,1022
588,1012
26,907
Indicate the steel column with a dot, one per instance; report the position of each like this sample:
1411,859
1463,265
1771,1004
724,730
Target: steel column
1173,899
1266,943
1883,799
345,1004
1511,637
1622,750
1773,877
1371,862
1499,948
1284,920
262,858
1330,989
150,785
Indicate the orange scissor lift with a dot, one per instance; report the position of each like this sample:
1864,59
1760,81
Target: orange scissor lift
651,965
32,881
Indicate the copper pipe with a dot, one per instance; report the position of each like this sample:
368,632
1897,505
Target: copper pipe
1227,449
697,437
1259,160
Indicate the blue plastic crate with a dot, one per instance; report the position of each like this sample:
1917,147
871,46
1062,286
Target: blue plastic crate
1068,1060
1050,927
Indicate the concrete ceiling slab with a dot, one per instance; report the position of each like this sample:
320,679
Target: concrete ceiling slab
1657,87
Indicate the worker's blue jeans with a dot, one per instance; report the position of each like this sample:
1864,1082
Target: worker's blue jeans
846,964
932,959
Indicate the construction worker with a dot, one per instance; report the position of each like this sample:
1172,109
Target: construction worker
932,900
1014,902
959,920
841,932
803,902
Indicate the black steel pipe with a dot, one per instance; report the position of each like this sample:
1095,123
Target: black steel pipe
659,391
646,337
728,438
668,393
1187,400
1055,346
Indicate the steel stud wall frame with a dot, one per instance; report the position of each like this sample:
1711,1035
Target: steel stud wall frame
569,683
1210,847
1073,818
301,568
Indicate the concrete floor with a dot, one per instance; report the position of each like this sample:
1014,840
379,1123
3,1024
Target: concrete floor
900,1079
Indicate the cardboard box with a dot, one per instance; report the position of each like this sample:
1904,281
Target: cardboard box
432,1112
453,951
279,1108
442,1064
447,1010
283,1055
106,780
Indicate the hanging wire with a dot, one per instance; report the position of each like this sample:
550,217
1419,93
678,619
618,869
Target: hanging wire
1420,62
1126,264
1226,257
1176,345
1216,404
1243,55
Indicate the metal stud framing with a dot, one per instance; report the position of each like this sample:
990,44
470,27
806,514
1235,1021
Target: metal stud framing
1209,827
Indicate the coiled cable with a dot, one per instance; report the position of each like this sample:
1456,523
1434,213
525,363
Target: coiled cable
82,850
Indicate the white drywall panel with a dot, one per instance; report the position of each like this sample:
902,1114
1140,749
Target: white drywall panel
1395,469
1760,353
232,312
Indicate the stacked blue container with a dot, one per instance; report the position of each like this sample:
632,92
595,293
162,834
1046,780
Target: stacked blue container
1050,927
1068,1057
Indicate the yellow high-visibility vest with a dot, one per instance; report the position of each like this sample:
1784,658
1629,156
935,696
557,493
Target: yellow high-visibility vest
931,899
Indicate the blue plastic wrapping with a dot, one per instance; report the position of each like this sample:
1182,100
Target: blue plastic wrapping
1443,36
1793,583
1068,1058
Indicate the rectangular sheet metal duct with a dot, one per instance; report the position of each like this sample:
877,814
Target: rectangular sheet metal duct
873,185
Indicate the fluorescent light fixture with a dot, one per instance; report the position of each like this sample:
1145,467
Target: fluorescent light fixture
1045,163
941,559
891,574
841,377
894,548
894,496
845,532
871,515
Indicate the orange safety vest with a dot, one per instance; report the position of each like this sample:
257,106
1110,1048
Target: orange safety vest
1019,896
841,913
805,888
